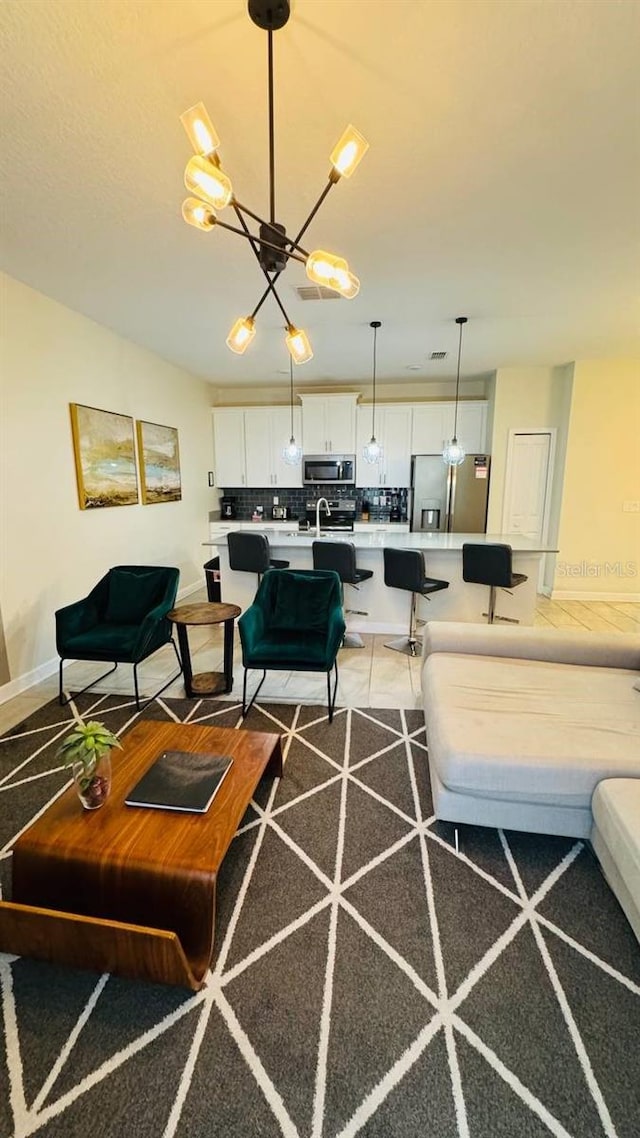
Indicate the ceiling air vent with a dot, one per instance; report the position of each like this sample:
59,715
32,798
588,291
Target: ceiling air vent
317,292
438,355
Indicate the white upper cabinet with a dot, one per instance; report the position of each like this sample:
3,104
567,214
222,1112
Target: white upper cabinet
433,426
393,432
228,442
329,424
267,431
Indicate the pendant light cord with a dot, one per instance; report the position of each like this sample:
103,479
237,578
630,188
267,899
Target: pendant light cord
375,324
291,392
459,320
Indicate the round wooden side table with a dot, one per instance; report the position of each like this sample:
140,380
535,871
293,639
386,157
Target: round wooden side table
206,612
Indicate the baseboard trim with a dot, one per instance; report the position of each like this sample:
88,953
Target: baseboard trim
572,595
29,679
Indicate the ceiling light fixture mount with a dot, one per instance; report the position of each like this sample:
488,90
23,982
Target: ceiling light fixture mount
454,454
212,190
372,452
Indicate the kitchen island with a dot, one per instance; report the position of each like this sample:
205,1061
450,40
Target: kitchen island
388,609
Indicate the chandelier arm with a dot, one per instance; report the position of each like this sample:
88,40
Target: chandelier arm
255,247
272,161
294,241
260,240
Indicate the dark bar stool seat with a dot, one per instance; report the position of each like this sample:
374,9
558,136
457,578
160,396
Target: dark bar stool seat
405,569
341,557
491,565
250,553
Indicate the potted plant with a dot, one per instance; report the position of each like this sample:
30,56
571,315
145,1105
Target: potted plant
87,750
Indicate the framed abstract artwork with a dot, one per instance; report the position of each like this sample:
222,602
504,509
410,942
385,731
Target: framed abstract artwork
159,459
104,451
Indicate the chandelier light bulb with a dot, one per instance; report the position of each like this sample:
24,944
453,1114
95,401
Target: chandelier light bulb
348,152
292,453
372,452
198,214
298,344
241,335
453,454
347,284
323,268
208,182
200,130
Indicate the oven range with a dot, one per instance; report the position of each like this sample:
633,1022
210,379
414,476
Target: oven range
340,519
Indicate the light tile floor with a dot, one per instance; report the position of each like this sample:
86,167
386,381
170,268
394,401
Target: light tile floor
373,676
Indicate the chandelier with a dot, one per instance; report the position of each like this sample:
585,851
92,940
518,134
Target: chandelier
372,452
453,453
272,246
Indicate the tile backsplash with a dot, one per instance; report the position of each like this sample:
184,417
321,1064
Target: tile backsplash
379,501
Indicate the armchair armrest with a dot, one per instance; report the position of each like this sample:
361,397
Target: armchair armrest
336,628
555,646
75,618
153,623
251,627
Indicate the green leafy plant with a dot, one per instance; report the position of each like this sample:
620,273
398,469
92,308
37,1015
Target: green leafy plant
85,746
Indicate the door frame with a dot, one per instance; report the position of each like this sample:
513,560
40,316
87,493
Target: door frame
546,513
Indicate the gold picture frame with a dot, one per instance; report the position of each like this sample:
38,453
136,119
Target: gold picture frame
105,458
159,461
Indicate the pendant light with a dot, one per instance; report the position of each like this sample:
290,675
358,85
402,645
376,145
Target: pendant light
453,454
372,452
292,453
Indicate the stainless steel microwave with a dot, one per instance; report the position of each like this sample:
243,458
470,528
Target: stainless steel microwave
337,468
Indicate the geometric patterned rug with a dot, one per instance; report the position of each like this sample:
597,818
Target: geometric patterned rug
370,978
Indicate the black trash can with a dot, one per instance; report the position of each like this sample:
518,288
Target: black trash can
212,577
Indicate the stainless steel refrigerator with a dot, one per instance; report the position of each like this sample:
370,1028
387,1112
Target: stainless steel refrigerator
449,499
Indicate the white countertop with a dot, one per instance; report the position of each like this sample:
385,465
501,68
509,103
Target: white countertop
288,538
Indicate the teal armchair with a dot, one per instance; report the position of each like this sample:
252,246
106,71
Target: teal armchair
123,620
295,624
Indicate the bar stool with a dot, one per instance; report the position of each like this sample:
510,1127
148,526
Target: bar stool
341,556
249,553
405,569
491,565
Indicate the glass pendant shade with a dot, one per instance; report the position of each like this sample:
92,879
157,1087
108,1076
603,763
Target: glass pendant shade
208,182
292,453
200,129
298,344
348,152
198,214
453,454
372,452
241,335
332,272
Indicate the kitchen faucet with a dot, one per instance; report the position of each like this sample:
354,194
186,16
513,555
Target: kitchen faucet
318,504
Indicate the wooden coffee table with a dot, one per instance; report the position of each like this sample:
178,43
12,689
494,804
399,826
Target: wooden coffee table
206,612
130,890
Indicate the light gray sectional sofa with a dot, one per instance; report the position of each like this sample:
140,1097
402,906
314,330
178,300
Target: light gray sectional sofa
523,724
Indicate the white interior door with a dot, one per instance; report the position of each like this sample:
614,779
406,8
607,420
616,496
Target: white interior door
528,485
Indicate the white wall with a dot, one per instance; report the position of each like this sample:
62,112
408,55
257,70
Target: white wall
599,540
51,551
400,392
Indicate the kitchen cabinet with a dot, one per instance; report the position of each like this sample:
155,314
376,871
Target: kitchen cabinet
433,426
329,423
228,443
266,432
393,432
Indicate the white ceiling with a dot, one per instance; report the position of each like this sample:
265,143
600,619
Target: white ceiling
502,183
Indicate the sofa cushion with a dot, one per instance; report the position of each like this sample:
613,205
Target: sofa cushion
616,812
527,730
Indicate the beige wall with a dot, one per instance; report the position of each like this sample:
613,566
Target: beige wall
238,396
51,551
599,541
523,398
